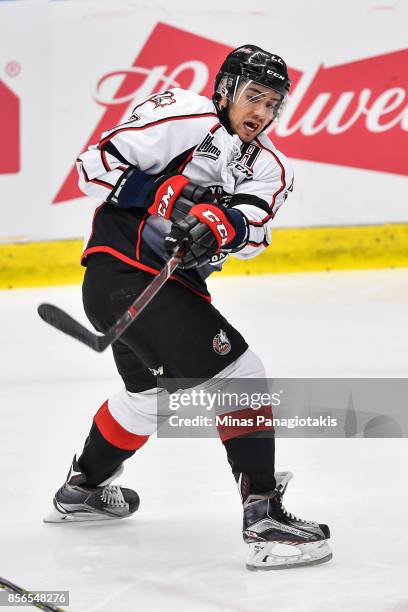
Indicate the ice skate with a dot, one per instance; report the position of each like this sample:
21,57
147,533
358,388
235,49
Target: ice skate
276,538
75,502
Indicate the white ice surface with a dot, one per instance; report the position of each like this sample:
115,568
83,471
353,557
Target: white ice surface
183,549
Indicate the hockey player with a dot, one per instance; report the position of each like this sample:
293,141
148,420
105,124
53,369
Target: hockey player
201,175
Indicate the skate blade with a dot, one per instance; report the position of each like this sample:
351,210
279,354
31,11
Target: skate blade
78,517
266,556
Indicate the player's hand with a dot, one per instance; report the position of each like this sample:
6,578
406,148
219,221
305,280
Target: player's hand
165,195
203,232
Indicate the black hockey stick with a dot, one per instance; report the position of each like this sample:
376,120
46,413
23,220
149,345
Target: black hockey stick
24,597
62,321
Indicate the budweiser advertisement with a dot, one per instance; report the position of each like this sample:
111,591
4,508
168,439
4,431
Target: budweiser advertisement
353,114
10,128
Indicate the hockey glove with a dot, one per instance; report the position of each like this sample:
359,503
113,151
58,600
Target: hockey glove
165,194
202,233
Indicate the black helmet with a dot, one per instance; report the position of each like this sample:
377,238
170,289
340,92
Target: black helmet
251,63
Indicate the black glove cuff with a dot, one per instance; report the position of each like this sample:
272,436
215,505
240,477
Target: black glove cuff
131,189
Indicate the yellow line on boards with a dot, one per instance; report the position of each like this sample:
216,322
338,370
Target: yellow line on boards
39,264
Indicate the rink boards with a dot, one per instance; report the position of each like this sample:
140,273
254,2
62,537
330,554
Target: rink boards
292,250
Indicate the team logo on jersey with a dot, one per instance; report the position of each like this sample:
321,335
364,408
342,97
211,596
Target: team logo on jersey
162,99
221,343
245,163
208,149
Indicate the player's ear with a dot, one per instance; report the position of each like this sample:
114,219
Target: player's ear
223,102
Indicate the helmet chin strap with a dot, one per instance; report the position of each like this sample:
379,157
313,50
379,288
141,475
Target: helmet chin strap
222,113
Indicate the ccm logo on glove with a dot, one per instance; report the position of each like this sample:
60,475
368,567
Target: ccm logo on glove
166,195
217,221
163,205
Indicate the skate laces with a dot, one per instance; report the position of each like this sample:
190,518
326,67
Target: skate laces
291,516
286,513
113,496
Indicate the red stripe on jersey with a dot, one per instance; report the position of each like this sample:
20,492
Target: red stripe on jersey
283,181
247,422
153,124
97,210
102,183
136,264
215,128
97,181
105,161
114,433
185,162
257,244
259,223
139,235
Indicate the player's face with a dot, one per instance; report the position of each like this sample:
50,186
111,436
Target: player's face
253,108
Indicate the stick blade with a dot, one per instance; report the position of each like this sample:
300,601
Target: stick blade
61,320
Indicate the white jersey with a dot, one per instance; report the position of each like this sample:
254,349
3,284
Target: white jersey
180,129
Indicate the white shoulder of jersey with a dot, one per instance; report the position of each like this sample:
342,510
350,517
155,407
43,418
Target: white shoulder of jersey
272,181
162,127
279,163
171,103
159,129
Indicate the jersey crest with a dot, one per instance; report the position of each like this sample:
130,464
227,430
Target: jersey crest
245,163
221,343
208,149
162,99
